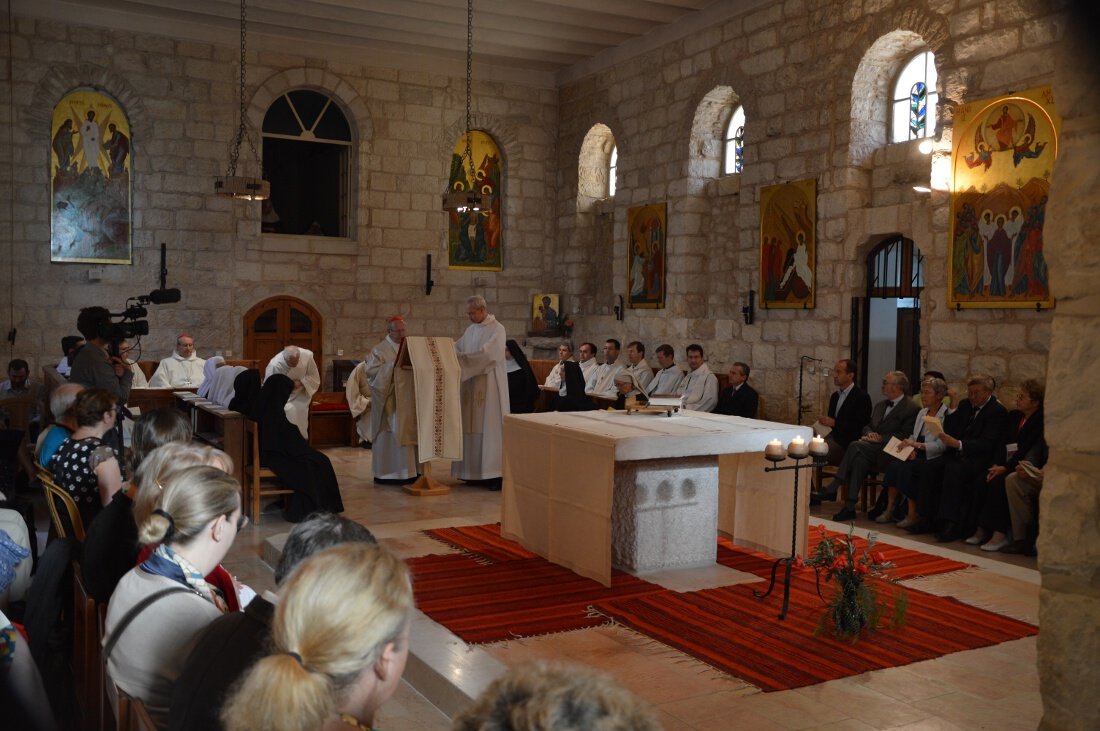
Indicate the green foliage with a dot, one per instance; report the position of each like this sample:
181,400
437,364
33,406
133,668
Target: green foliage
855,604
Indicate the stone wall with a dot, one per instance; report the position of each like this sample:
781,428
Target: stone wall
1069,539
807,74
181,100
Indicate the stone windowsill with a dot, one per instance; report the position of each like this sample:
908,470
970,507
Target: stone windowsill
728,185
289,244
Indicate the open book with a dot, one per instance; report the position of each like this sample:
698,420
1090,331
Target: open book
821,430
897,450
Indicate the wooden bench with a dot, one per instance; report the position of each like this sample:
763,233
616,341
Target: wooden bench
330,421
217,426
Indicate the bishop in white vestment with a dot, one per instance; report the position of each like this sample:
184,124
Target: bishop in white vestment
391,460
182,369
298,365
484,395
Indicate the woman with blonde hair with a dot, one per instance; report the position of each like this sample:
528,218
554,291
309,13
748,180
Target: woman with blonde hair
339,644
159,607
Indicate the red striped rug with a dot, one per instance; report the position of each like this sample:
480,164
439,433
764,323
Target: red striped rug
497,591
733,631
520,598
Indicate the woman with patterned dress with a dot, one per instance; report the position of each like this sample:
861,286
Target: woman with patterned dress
84,465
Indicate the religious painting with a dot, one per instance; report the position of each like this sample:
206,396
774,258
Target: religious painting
788,245
474,238
647,256
545,315
90,180
1001,162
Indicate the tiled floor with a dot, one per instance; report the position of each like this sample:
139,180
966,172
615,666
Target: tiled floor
994,688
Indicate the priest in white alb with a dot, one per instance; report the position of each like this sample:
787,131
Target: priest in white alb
392,462
700,390
484,394
182,369
298,365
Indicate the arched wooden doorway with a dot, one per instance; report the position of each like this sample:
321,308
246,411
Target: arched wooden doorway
886,323
277,322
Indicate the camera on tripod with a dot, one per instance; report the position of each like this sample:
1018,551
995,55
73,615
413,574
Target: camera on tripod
130,323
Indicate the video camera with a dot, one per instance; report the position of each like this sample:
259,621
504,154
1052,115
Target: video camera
130,324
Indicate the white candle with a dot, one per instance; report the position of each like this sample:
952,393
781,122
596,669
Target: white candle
818,447
774,450
797,448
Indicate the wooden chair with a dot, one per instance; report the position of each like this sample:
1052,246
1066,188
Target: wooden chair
139,717
55,494
259,481
111,697
86,661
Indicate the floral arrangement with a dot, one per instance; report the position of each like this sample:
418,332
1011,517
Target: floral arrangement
566,324
855,604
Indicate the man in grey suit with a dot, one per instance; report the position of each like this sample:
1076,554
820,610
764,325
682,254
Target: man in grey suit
891,417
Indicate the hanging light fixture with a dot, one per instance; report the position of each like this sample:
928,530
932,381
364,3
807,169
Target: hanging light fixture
460,201
232,185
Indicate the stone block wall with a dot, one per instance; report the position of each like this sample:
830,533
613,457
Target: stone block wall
804,72
181,101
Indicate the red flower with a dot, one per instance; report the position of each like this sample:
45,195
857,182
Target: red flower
822,531
861,568
878,557
798,562
840,563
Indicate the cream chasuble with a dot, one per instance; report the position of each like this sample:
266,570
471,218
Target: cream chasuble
484,400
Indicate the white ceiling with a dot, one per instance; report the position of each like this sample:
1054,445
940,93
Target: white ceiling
545,42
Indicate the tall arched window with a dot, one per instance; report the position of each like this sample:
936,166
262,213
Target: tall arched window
735,143
612,171
307,157
913,113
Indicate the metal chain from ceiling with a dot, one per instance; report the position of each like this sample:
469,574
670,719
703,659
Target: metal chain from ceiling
469,83
242,129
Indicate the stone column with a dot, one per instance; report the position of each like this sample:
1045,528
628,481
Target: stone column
1069,542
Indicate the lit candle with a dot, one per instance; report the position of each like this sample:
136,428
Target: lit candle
798,448
818,447
774,451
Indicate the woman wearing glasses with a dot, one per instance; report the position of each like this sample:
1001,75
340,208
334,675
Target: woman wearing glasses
159,607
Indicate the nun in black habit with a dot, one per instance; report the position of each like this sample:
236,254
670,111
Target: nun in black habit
285,452
246,392
523,387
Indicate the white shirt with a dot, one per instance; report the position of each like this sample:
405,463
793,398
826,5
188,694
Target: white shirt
297,406
642,373
602,380
668,380
701,389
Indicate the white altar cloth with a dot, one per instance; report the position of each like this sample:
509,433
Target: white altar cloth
560,471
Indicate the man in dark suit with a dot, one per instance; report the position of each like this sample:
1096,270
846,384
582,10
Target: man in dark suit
229,645
740,399
891,417
974,435
849,410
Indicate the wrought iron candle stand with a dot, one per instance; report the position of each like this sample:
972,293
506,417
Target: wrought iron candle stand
797,452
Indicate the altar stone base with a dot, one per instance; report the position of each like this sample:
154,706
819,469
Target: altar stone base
665,514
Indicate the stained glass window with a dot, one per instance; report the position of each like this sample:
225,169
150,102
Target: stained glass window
735,143
913,115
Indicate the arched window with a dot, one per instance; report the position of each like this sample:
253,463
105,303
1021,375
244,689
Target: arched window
612,171
307,157
913,113
735,143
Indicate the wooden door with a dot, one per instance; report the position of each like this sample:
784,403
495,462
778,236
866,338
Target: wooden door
277,322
